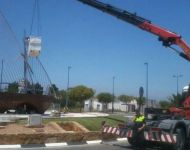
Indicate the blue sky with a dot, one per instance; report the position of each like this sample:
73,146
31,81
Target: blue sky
99,46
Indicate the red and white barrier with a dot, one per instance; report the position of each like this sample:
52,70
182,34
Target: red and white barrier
117,131
152,135
168,138
130,133
161,137
108,129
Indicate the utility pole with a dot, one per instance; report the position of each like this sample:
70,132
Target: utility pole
67,97
177,79
113,94
146,83
2,65
141,92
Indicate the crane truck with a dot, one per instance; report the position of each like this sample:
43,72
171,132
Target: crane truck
173,129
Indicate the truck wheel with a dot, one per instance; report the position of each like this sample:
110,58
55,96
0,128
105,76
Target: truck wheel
135,143
180,144
131,141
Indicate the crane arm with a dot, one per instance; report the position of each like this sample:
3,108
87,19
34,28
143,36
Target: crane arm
167,37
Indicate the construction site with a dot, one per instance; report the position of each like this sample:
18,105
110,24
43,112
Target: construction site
34,110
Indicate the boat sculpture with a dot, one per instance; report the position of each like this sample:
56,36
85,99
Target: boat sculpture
24,83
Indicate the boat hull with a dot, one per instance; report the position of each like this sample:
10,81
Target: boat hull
32,103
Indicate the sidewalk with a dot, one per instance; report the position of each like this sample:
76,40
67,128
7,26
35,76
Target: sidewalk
85,114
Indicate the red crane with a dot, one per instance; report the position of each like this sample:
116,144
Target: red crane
167,37
175,130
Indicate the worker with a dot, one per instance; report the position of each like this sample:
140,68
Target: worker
139,121
138,128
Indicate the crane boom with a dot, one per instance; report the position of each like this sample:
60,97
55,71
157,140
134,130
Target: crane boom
167,37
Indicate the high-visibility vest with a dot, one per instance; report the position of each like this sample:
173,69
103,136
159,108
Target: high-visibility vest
139,119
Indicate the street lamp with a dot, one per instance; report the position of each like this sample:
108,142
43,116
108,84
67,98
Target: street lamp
146,83
113,95
2,65
67,97
177,79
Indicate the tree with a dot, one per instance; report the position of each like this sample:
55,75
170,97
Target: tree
80,94
173,101
176,100
62,96
165,104
54,89
38,88
126,99
13,87
105,98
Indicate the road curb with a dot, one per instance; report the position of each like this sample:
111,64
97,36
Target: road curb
59,144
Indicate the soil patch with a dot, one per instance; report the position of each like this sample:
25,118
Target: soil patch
23,129
48,133
73,126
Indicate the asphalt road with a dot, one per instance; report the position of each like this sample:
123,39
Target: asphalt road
122,145
104,146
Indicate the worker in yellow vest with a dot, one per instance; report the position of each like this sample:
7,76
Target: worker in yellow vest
139,121
138,128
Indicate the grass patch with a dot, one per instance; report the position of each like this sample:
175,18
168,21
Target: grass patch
92,124
119,118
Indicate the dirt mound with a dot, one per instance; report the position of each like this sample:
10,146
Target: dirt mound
23,129
48,133
73,126
51,127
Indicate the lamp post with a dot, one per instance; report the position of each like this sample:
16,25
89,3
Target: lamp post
177,79
146,83
113,94
2,65
67,97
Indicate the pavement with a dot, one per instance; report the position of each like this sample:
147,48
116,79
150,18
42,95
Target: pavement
84,114
6,117
49,114
57,145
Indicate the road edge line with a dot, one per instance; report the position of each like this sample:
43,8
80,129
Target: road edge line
121,139
55,144
10,146
94,142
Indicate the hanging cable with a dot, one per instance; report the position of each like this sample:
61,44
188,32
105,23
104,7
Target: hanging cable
183,55
36,14
11,31
33,16
47,77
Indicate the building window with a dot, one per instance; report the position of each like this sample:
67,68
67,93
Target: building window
132,108
98,107
86,105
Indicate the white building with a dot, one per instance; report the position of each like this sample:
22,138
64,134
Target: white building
94,105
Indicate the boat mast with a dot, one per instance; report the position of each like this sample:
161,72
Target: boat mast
25,61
